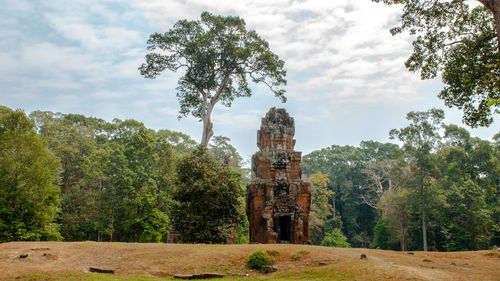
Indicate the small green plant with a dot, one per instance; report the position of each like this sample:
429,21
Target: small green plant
299,255
490,254
426,260
258,259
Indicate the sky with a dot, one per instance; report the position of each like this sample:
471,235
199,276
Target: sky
346,76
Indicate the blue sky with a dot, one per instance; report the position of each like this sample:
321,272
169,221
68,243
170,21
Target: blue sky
346,75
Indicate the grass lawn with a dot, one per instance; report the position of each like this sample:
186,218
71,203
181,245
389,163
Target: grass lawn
136,261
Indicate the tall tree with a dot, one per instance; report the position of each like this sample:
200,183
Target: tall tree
420,138
28,196
469,224
219,55
344,166
461,43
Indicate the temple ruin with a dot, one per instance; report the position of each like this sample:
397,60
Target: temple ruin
278,200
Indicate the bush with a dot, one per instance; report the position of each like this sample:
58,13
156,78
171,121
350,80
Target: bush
258,259
335,239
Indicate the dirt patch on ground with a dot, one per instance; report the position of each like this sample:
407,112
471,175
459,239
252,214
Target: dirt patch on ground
60,260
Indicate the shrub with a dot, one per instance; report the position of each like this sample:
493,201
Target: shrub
258,259
335,239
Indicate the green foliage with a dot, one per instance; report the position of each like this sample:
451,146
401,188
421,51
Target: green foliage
419,139
344,167
461,43
321,196
29,199
335,238
123,182
258,259
116,177
384,235
299,255
469,228
242,235
205,199
181,143
450,178
303,252
148,224
224,152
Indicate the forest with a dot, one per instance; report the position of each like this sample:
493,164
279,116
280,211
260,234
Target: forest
68,177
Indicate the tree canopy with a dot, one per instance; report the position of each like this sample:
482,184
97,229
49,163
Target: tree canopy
206,204
460,43
28,197
120,181
219,56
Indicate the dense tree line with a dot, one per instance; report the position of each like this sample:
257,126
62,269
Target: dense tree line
72,177
438,191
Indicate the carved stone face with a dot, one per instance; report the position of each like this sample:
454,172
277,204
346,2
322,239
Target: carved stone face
281,188
280,160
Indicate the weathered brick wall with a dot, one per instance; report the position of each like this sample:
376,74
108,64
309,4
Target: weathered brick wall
278,200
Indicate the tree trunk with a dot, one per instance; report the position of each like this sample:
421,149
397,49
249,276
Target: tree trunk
424,226
333,203
401,228
207,131
494,7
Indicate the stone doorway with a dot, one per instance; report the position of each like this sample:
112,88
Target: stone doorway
284,229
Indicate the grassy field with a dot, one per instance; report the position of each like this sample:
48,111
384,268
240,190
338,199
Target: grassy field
134,261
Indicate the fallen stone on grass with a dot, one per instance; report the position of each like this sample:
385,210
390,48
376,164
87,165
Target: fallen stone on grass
198,276
50,256
23,255
101,270
268,269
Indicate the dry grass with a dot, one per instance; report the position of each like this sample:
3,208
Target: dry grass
133,261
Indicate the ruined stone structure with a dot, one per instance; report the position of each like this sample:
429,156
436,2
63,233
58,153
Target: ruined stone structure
278,200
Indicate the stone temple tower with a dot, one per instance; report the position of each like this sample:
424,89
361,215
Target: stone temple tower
278,200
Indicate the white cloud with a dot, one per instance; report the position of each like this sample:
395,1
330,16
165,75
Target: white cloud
82,56
339,49
94,37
